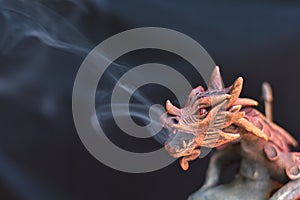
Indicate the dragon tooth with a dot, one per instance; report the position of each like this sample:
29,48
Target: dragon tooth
183,144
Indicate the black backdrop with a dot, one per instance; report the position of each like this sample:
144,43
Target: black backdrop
43,44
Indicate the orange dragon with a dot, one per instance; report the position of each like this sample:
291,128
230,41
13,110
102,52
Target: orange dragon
219,118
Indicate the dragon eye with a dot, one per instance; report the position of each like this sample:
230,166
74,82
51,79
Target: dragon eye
202,112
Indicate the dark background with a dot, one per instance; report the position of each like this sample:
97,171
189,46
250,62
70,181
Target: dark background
42,44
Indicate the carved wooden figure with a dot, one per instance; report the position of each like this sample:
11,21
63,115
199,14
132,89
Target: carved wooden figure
219,118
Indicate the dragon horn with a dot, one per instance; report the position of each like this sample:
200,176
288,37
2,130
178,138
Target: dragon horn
215,81
171,109
235,91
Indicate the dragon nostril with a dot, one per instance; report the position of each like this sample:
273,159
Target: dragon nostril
174,121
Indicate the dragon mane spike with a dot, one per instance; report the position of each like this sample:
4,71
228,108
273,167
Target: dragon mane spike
244,102
268,99
235,91
215,81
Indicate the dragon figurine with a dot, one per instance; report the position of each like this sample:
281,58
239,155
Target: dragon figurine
219,118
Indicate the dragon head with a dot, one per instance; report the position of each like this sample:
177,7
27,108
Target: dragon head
206,120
